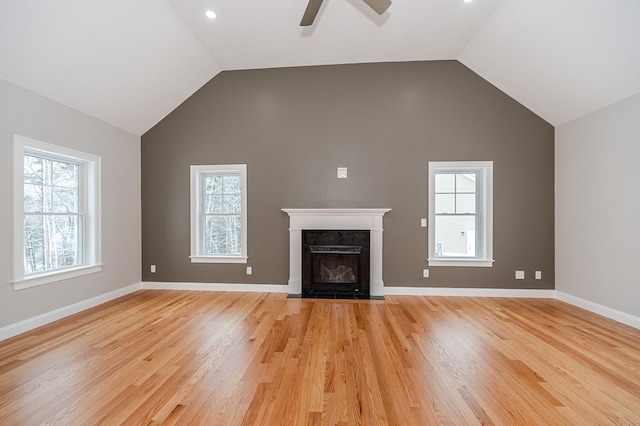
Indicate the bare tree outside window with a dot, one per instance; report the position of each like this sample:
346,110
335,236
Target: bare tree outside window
222,209
52,216
218,213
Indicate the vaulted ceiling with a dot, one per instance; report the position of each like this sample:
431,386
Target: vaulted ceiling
131,62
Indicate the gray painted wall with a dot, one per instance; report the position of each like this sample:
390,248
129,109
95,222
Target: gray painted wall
598,207
293,127
33,116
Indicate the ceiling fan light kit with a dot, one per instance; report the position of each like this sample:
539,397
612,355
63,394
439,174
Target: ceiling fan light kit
379,6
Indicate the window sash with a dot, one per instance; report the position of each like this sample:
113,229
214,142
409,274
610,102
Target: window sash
233,234
471,252
51,261
456,212
52,248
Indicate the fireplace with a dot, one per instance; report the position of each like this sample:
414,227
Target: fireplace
335,264
336,219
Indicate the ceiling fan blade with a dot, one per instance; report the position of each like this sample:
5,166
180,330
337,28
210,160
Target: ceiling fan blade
380,6
310,13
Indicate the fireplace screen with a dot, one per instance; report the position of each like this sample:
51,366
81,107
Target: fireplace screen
335,264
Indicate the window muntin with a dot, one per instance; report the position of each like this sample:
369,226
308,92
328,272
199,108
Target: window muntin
57,214
218,214
461,214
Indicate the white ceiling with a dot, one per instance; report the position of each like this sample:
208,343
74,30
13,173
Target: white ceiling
131,62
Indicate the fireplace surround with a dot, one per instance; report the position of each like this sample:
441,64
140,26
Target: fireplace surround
336,219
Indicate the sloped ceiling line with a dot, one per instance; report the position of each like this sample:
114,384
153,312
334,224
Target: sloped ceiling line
130,63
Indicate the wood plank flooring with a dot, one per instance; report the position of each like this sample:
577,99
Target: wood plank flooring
209,358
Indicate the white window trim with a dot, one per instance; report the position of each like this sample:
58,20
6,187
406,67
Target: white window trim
485,255
92,225
196,208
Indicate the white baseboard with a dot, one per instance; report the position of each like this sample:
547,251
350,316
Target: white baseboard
469,292
48,317
266,288
417,291
596,308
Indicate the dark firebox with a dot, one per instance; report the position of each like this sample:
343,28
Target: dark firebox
335,264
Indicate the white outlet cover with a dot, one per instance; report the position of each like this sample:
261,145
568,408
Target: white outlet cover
425,273
342,172
519,275
538,275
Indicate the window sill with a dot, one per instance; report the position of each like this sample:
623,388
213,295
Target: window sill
51,277
478,263
218,259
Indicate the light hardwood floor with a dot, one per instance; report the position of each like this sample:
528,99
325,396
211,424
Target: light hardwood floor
192,358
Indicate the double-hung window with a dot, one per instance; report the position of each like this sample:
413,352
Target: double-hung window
57,213
219,214
461,213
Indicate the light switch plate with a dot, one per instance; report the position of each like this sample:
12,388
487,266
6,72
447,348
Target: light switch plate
519,275
342,172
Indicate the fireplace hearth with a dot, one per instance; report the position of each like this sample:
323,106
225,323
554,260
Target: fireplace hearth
335,264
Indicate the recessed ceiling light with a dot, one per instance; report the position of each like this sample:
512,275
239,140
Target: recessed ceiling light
212,15
467,1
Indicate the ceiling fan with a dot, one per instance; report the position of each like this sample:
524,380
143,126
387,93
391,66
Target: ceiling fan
380,6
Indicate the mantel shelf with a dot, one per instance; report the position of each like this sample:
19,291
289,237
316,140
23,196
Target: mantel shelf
336,212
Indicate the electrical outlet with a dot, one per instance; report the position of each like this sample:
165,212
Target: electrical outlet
342,172
519,275
249,270
538,275
425,273
153,269
423,223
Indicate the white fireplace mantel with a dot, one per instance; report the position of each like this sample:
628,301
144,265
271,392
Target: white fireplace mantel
335,219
